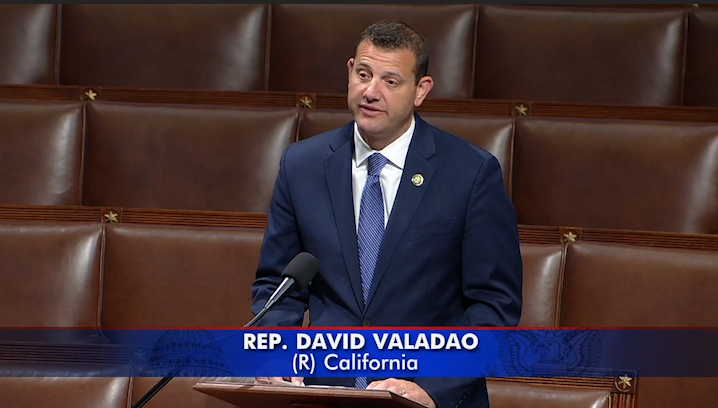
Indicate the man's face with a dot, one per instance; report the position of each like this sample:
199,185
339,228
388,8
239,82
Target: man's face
383,92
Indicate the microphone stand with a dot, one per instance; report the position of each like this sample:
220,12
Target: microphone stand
302,265
166,379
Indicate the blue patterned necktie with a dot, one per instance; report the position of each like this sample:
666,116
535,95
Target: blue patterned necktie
371,229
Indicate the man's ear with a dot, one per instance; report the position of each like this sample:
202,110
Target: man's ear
350,66
423,89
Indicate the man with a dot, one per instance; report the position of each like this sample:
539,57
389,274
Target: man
448,251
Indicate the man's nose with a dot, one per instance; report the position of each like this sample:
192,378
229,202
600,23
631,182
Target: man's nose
373,90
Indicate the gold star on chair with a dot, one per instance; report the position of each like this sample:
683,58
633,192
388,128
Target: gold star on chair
623,383
90,94
306,102
570,237
111,216
140,355
522,109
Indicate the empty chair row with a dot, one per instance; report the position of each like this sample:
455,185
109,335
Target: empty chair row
92,275
121,392
95,275
621,174
622,55
128,275
154,156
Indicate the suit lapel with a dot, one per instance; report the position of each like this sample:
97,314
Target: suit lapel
407,198
337,167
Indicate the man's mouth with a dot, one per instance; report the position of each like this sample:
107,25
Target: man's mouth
370,110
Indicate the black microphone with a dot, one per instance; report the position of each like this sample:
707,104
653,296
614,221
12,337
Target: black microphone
297,275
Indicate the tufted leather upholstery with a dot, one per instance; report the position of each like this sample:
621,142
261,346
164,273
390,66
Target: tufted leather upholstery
209,46
184,157
64,392
28,36
311,43
701,87
50,278
617,285
167,276
580,55
543,276
506,394
40,152
640,175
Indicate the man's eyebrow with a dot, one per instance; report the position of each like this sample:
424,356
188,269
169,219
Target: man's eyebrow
396,74
393,73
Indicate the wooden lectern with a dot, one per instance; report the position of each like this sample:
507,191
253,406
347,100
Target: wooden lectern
279,396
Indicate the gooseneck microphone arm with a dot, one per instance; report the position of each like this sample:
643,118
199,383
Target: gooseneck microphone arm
297,275
283,290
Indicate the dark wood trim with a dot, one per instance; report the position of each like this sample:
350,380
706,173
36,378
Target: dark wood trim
271,99
536,234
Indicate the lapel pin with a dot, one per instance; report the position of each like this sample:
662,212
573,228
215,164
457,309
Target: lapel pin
417,179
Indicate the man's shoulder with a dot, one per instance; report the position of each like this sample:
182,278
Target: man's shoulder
449,143
323,142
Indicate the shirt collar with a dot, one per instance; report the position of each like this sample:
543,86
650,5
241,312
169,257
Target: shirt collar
395,151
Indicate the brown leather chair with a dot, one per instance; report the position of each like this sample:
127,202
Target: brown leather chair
207,46
184,157
64,392
633,175
617,285
543,274
311,44
177,393
494,134
166,276
28,43
41,153
565,54
701,87
506,393
639,286
316,121
171,276
50,279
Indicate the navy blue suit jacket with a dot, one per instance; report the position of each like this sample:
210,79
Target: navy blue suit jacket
450,254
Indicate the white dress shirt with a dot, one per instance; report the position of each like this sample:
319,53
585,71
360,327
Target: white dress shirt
390,175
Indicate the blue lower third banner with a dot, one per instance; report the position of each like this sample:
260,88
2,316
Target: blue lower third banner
350,352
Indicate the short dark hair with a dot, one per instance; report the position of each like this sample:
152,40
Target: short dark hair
397,35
